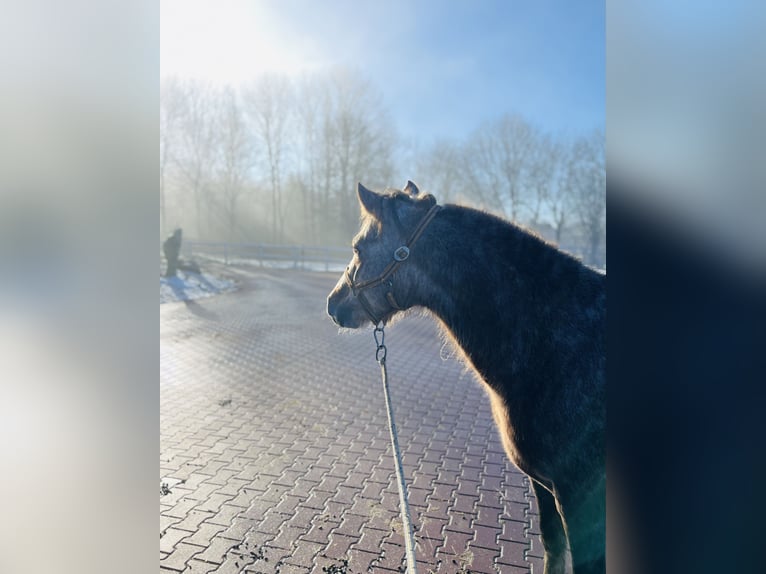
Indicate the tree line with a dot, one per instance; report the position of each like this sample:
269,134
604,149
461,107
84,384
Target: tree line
277,160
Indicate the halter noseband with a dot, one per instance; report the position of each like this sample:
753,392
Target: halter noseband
401,254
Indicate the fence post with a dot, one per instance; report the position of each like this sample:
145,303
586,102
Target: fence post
225,253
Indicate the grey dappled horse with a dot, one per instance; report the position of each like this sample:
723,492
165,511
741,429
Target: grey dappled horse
528,318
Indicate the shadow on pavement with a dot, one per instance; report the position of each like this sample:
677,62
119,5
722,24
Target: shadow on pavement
200,311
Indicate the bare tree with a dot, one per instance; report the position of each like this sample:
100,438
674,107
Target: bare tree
363,139
268,104
589,197
440,169
542,175
195,152
235,156
344,136
560,193
497,160
170,111
309,97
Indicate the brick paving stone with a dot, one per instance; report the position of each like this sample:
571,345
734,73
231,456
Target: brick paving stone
244,497
371,540
360,561
515,494
233,564
418,497
194,566
442,491
271,522
233,487
167,521
513,553
180,555
372,490
465,503
304,552
431,528
460,522
339,545
489,498
351,525
504,568
222,476
203,491
193,520
535,547
214,502
345,494
225,516
422,480
516,479
177,495
318,499
288,504
217,549
288,568
171,537
320,533
491,483
182,508
513,531
204,534
468,487
286,537
485,537
488,516
392,557
330,483
516,511
483,559
455,542
302,488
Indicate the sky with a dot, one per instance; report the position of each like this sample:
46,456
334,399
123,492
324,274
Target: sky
442,67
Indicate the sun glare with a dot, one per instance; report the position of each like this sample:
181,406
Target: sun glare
228,42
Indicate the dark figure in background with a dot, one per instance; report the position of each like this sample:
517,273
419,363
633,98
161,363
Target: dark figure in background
172,248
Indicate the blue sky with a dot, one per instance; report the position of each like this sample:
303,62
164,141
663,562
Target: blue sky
442,67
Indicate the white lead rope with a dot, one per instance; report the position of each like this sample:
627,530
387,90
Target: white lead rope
404,508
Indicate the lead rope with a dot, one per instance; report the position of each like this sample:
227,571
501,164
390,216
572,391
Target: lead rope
404,508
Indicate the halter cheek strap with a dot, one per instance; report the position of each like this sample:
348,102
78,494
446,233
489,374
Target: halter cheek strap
400,255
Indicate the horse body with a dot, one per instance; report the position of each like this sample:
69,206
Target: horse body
530,320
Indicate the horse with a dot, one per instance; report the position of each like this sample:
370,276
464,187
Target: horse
528,318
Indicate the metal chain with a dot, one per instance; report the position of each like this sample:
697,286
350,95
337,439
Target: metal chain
404,508
380,341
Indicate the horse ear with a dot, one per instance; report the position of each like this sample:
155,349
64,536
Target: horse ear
411,189
370,201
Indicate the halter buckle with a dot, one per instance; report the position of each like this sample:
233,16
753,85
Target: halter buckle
402,253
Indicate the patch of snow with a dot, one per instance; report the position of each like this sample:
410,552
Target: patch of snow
186,286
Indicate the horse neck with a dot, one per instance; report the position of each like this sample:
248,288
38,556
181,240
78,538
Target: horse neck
474,282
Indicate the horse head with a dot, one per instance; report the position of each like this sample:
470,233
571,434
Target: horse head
382,276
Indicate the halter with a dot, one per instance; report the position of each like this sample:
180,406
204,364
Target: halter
401,254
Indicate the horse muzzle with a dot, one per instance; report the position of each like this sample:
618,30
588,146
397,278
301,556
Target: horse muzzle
340,307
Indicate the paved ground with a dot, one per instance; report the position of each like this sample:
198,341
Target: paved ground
274,448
